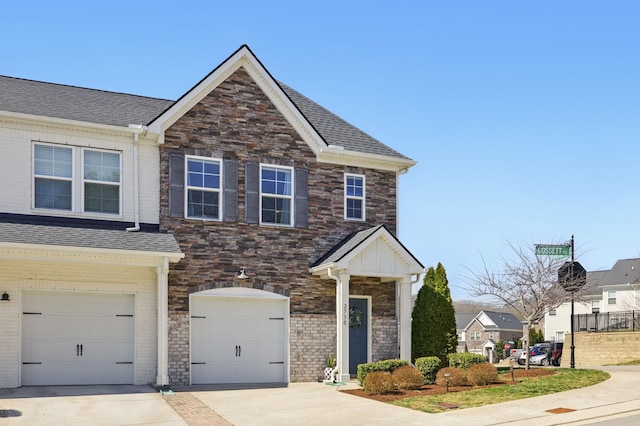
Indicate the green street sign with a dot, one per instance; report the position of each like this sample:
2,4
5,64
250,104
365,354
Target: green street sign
552,250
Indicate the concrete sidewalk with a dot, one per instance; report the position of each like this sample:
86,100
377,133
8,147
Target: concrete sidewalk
301,403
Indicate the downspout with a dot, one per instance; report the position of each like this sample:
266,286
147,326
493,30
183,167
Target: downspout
138,129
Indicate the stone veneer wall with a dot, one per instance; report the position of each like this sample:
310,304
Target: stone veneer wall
238,122
179,371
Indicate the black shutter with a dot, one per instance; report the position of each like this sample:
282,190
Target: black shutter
230,191
301,217
176,185
252,196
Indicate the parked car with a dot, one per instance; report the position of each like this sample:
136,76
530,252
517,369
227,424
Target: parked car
556,353
538,355
515,354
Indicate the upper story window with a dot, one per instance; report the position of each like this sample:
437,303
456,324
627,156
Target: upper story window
354,197
55,180
276,195
552,312
53,177
595,306
101,181
611,297
203,188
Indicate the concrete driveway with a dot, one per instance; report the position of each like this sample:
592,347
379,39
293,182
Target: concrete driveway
301,403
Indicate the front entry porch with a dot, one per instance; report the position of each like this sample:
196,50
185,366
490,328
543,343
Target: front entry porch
373,252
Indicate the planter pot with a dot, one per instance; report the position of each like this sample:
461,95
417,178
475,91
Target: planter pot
327,373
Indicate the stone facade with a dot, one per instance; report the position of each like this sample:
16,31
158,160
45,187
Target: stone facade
237,122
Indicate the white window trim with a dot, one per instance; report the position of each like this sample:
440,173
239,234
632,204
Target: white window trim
187,187
363,198
77,182
609,298
290,197
34,176
101,182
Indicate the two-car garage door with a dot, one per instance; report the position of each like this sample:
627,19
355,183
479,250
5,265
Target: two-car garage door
77,339
239,336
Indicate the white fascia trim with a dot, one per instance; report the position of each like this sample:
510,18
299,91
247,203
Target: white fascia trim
17,251
360,159
65,124
242,58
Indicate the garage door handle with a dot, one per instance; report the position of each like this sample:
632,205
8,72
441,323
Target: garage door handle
238,350
77,350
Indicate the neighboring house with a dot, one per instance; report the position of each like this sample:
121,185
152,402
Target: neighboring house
491,326
614,290
236,235
462,321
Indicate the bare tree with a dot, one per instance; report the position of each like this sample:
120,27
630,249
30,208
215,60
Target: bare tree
524,283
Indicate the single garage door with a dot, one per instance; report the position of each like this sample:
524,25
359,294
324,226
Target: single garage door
239,336
77,339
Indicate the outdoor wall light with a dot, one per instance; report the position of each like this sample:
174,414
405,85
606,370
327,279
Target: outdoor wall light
242,275
5,297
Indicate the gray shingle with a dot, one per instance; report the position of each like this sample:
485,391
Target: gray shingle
19,233
120,109
625,271
336,131
76,103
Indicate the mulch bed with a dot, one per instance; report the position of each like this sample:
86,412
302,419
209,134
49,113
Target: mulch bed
427,390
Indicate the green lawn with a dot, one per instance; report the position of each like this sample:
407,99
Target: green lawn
564,379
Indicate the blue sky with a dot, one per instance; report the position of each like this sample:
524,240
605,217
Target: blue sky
524,117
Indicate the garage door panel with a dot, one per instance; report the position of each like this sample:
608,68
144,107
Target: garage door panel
77,339
238,340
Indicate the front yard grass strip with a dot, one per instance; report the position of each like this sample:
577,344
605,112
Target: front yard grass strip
564,379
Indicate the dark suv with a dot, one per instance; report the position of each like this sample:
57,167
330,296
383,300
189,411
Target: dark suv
556,353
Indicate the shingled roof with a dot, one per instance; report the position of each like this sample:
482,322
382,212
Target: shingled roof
120,109
109,239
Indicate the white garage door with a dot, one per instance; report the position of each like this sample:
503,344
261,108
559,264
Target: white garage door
77,339
239,339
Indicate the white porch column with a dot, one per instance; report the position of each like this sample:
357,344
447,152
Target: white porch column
405,319
162,377
342,317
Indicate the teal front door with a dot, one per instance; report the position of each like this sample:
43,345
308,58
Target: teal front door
358,333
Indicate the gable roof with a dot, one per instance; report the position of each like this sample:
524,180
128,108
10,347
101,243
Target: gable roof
358,252
463,320
497,321
333,139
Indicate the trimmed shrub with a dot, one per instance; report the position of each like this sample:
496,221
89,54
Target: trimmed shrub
458,377
378,383
482,374
407,377
465,359
428,366
387,365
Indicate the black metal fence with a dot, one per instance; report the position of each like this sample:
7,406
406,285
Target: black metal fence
607,321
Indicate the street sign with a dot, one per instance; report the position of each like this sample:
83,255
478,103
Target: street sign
572,276
552,250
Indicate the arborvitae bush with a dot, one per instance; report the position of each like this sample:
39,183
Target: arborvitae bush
482,374
378,383
458,377
407,377
428,366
